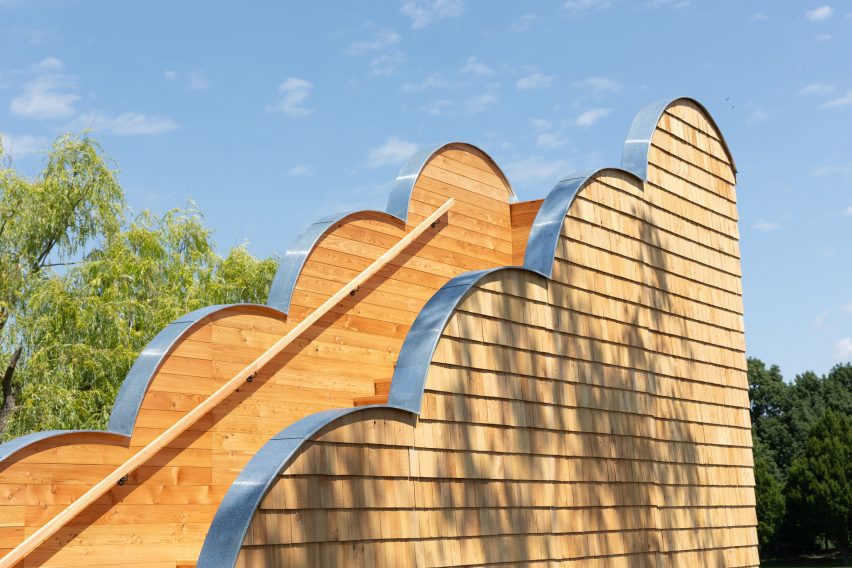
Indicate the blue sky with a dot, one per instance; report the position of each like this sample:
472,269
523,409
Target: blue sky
270,115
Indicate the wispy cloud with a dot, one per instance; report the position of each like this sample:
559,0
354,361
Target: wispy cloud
425,12
524,23
386,64
49,95
759,17
842,170
668,3
128,123
848,210
756,114
473,66
847,308
474,104
535,169
845,100
843,349
433,81
597,84
534,80
380,41
170,74
48,65
590,117
299,170
198,81
24,145
550,140
576,7
293,92
394,151
816,89
819,321
767,226
820,14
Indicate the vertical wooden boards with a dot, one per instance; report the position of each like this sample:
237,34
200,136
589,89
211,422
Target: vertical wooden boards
162,513
523,215
599,418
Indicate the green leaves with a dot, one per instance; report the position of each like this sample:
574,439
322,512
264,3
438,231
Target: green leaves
81,326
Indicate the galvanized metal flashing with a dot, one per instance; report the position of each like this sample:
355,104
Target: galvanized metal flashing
634,154
125,410
227,532
294,258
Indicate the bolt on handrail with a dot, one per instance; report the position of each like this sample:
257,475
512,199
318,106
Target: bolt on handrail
119,474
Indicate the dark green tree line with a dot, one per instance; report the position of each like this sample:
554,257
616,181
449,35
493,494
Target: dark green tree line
802,434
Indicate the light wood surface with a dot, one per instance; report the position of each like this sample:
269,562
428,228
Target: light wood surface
598,419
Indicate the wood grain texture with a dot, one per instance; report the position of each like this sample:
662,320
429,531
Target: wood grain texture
597,419
160,516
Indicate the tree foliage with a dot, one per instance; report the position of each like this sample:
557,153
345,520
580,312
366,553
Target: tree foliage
76,329
798,431
819,488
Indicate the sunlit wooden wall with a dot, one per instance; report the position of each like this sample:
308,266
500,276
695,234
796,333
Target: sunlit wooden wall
596,419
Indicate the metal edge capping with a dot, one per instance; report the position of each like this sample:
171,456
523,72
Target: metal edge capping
294,258
135,385
634,154
224,539
227,531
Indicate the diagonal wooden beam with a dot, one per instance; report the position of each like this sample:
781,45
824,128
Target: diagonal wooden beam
66,515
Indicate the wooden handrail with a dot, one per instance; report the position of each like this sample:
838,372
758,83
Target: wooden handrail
60,520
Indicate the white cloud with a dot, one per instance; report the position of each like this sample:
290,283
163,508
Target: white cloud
843,349
380,41
549,140
479,103
198,81
433,81
48,65
472,105
539,123
845,100
848,210
394,151
597,84
524,23
820,14
293,92
20,147
590,117
767,226
299,170
816,89
534,80
170,75
128,123
668,3
847,307
535,169
842,170
819,321
425,12
45,97
824,37
580,6
756,114
759,17
387,63
473,66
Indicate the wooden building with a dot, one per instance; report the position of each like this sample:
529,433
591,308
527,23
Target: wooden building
460,380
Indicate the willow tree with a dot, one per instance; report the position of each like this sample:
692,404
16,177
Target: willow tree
71,334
